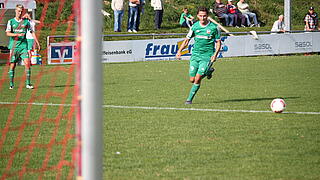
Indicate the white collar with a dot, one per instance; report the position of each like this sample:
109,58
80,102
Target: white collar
17,19
204,25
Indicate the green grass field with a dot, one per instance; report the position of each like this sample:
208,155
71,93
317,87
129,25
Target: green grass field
150,134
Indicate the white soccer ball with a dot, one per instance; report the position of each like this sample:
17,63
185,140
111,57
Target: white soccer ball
278,105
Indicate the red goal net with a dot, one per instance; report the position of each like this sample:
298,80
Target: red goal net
38,126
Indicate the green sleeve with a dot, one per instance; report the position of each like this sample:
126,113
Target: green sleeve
182,18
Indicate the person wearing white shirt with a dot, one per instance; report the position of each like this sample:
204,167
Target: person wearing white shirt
278,25
29,36
118,10
244,9
133,15
158,8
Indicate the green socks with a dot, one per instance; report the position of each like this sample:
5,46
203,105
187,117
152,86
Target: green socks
11,76
193,91
28,74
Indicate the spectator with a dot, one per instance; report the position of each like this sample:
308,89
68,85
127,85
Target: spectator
158,9
311,20
140,11
186,19
278,25
232,9
133,15
221,11
118,9
244,9
105,13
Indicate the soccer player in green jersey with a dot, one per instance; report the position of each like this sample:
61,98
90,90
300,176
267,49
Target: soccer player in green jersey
17,28
206,47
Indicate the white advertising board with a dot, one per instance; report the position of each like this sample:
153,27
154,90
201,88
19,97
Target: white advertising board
165,49
264,45
142,50
230,46
120,51
299,43
316,42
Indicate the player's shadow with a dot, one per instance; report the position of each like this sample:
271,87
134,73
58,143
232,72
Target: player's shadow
62,86
57,86
255,99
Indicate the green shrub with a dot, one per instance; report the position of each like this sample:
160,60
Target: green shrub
267,12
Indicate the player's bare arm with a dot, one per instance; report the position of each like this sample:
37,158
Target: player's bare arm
183,46
36,40
307,26
10,34
37,21
218,47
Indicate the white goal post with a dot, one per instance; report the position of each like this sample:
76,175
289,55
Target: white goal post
91,89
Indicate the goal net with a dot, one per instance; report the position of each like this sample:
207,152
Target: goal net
39,135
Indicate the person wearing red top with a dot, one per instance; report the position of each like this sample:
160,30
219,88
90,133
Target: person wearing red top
232,9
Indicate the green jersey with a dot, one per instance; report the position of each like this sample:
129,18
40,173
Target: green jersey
204,40
16,27
182,19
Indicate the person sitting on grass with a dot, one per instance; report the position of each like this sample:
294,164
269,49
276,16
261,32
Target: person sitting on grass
186,19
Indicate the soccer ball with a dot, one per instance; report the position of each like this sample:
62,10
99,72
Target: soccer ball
278,105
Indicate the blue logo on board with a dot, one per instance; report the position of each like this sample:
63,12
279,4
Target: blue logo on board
64,52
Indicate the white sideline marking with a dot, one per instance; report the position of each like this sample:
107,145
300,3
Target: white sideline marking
35,104
159,108
196,109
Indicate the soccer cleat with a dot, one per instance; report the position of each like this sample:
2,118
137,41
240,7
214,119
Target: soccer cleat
11,87
134,31
29,86
188,102
130,31
209,73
